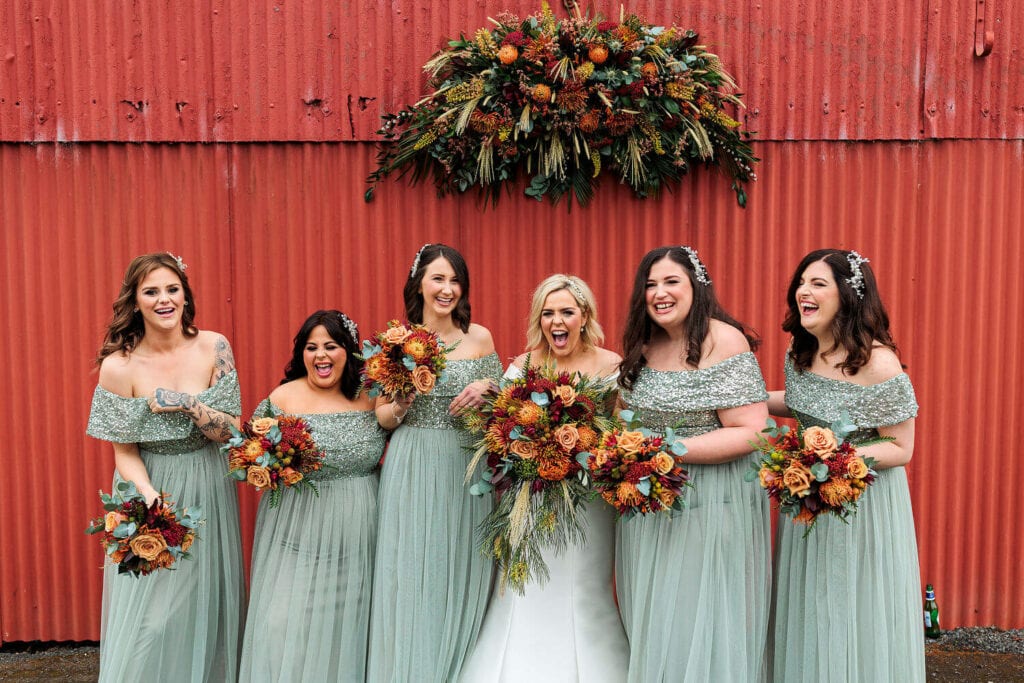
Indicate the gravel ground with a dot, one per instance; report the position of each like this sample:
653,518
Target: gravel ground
963,655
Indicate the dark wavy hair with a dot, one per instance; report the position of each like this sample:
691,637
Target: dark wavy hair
126,328
334,322
639,325
413,297
859,323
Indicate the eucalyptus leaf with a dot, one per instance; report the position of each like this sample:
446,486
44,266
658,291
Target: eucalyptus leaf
626,415
820,471
124,529
644,486
408,363
539,398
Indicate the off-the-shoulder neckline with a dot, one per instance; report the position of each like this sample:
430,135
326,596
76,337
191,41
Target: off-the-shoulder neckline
846,381
336,412
709,367
146,398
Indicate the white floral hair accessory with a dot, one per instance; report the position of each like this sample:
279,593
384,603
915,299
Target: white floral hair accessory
856,281
699,271
416,261
177,259
352,328
576,290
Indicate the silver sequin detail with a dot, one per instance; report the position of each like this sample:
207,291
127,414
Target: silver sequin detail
820,400
688,400
431,410
353,441
129,420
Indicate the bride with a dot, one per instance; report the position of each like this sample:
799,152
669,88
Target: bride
568,628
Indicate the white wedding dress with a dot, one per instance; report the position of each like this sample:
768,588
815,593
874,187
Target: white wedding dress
567,629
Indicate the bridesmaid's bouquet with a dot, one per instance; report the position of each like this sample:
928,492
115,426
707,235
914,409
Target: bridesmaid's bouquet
274,453
533,430
142,538
402,359
638,471
813,471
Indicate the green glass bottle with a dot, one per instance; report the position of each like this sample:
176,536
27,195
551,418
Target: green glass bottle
931,613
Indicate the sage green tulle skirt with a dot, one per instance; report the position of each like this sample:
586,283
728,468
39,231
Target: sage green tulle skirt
431,581
848,597
694,590
312,575
183,624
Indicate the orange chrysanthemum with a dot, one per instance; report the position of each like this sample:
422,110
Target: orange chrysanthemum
553,469
529,413
835,492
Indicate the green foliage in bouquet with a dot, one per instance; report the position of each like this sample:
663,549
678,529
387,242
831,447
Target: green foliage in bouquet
560,101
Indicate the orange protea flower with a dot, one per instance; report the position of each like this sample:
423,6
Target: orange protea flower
529,413
590,121
835,492
508,54
628,494
598,53
805,516
495,438
649,69
572,98
609,496
504,400
588,437
541,93
625,34
553,469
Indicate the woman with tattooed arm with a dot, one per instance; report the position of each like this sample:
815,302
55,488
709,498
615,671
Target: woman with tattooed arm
167,396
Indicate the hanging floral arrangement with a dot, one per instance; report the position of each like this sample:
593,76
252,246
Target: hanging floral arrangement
560,101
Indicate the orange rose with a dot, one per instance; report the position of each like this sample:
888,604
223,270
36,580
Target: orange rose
148,546
600,458
797,479
566,393
630,442
524,449
766,476
820,441
262,425
567,436
290,476
258,477
112,519
396,335
423,379
663,463
857,468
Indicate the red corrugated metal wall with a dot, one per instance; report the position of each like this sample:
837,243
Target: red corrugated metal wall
272,230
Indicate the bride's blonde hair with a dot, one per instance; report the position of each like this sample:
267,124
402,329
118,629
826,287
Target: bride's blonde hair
591,335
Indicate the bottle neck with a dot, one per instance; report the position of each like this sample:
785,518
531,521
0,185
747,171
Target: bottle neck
929,595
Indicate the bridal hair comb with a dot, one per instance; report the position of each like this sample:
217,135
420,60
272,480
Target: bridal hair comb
856,281
700,272
416,261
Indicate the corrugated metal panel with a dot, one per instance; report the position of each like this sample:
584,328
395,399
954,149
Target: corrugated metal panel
235,70
271,232
967,96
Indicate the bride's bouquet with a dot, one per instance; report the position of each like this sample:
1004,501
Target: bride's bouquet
638,471
533,430
402,359
274,453
140,538
813,471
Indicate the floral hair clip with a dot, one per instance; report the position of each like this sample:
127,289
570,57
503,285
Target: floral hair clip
177,259
576,290
416,261
856,281
352,328
699,271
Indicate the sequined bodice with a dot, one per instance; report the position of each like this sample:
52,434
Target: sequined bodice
129,420
431,410
353,441
688,400
817,400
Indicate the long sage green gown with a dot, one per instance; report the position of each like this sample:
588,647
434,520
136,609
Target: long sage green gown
694,589
312,562
848,597
183,624
431,580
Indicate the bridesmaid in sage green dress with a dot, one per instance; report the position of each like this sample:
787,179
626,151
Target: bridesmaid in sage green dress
847,597
312,561
694,589
431,581
167,394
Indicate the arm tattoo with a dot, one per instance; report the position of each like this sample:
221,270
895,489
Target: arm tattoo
170,399
224,360
215,425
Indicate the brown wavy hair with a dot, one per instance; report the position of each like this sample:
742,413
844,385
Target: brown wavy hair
126,329
639,325
859,323
414,299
